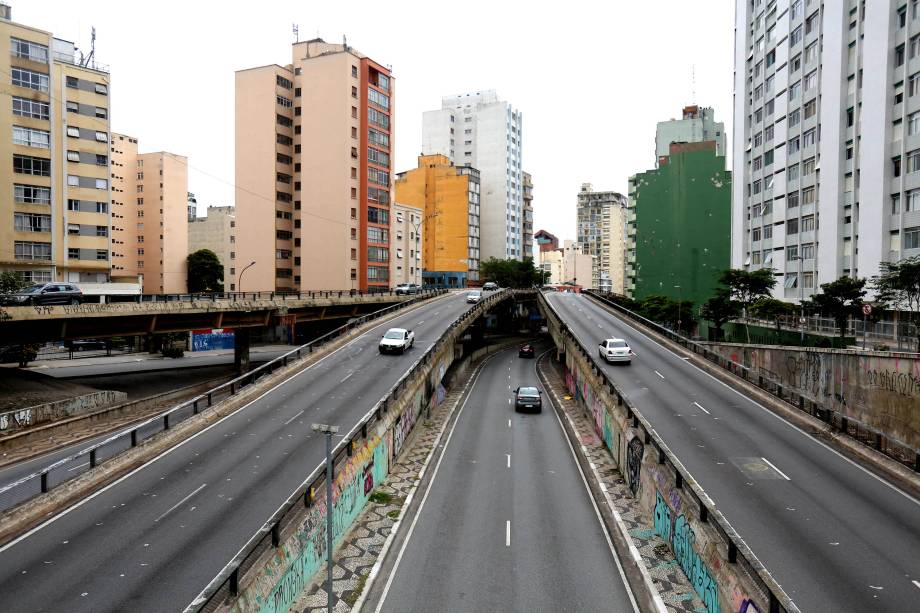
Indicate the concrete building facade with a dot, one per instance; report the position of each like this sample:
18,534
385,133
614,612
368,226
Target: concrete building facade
577,266
527,240
406,244
601,228
826,140
217,232
450,198
314,147
678,225
150,216
482,131
696,125
57,225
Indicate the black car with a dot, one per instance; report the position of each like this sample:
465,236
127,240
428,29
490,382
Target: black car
528,399
44,293
526,351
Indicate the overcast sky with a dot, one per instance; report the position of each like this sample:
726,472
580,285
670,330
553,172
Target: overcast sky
591,78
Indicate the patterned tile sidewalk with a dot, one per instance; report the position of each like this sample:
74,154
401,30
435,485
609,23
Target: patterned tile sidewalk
357,554
671,582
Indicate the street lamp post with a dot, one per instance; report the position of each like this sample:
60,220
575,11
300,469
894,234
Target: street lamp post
801,283
239,279
330,469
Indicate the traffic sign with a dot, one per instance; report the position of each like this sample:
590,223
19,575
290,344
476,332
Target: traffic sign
867,309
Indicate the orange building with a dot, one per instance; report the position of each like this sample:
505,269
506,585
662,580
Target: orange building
313,169
449,197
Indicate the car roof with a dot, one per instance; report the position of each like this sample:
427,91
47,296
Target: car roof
613,340
397,330
527,388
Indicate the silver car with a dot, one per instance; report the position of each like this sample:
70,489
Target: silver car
474,297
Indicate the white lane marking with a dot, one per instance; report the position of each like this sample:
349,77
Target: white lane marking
685,358
916,584
509,459
509,421
197,434
346,377
702,408
78,466
508,533
659,374
509,402
781,473
421,322
295,417
180,503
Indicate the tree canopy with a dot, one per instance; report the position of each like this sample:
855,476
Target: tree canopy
510,272
721,309
11,282
840,299
898,285
205,272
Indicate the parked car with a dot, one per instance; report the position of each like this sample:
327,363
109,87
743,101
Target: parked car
615,350
85,344
528,398
474,296
44,293
396,340
525,351
489,286
407,288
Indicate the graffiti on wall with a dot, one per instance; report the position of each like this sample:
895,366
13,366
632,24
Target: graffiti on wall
682,538
16,419
903,383
748,606
634,451
405,423
603,425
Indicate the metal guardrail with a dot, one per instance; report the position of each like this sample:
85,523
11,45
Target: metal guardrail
737,550
854,428
233,296
43,480
227,581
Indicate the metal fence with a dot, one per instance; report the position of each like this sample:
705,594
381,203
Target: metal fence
862,432
737,550
73,465
269,535
235,296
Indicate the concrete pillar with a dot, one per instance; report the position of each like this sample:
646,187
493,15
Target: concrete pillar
241,350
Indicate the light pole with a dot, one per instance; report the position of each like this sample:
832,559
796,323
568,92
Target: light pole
801,283
330,469
239,279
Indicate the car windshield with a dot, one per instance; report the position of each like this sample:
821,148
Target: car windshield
396,334
528,391
619,344
473,294
32,289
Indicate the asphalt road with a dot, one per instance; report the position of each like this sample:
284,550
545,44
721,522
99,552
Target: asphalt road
507,523
836,537
153,540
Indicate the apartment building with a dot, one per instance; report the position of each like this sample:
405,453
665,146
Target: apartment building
827,139
450,198
695,125
314,140
217,232
482,131
406,244
527,227
546,244
55,118
601,228
149,216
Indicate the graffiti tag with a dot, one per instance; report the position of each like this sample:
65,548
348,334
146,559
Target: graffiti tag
634,451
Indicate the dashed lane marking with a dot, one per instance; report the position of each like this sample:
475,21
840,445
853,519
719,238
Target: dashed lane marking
299,413
659,374
771,465
180,503
699,406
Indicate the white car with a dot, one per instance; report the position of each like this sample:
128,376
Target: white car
474,297
615,350
396,340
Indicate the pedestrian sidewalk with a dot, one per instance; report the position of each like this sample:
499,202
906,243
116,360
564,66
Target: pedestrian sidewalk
670,581
129,358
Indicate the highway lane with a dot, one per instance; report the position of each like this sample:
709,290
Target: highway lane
507,524
152,541
835,536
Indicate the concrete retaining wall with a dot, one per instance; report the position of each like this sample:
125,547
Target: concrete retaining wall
878,388
14,421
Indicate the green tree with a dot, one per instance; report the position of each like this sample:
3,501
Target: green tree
205,272
746,287
840,299
510,273
720,309
11,282
773,309
899,286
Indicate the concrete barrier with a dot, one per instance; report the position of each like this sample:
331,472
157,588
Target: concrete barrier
725,573
13,421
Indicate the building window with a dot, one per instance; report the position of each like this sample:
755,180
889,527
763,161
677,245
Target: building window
912,238
34,109
808,195
101,89
28,165
811,107
284,102
808,223
794,118
792,226
793,145
792,173
30,222
808,137
913,161
31,194
73,253
378,235
26,250
895,204
28,78
375,97
912,203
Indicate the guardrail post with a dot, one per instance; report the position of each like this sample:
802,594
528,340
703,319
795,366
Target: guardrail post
134,438
232,387
774,603
351,448
235,582
732,552
195,407
209,398
678,480
44,482
661,457
801,402
92,458
276,534
704,512
166,421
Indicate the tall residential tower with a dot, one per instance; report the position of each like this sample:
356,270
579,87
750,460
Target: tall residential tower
602,234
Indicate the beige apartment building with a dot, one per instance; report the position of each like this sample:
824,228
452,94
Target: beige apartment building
217,232
313,171
54,122
149,216
406,244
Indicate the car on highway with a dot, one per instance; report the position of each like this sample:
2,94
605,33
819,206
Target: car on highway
474,296
396,340
490,286
525,351
407,289
527,398
615,350
44,293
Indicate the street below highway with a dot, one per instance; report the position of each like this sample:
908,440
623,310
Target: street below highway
836,537
506,523
152,540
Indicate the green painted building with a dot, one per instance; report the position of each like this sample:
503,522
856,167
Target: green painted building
678,225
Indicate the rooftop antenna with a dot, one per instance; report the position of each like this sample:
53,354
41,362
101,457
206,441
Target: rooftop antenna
693,83
345,42
296,33
92,49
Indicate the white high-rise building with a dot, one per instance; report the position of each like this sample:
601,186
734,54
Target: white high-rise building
826,140
696,125
479,130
